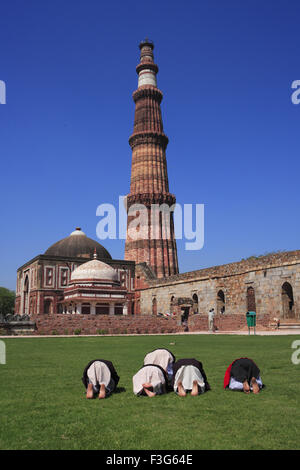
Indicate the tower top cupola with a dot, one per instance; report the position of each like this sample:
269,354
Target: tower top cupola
146,69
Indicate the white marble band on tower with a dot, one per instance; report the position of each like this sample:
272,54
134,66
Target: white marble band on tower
147,69
147,77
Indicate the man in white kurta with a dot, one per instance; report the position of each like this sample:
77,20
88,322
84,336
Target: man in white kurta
100,380
163,358
149,380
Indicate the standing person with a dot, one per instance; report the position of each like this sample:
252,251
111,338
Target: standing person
163,358
189,376
100,377
244,375
211,315
150,380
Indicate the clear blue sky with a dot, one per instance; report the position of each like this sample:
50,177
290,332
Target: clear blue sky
225,68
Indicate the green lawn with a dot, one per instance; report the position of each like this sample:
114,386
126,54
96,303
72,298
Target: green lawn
43,405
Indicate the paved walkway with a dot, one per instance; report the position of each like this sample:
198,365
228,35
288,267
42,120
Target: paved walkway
279,332
265,333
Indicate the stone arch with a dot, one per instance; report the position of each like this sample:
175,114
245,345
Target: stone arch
195,303
118,309
287,297
48,306
101,309
220,302
154,306
86,308
136,307
172,304
251,303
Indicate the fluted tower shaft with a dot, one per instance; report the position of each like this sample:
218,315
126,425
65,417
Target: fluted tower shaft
153,241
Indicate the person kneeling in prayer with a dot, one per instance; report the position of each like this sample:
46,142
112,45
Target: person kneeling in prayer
100,378
150,380
244,375
163,358
189,376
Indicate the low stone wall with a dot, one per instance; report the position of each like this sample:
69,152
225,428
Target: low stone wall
138,324
92,325
227,322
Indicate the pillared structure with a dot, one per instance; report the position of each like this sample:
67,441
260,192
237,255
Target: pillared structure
153,241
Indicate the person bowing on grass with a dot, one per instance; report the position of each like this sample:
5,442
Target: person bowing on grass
100,378
244,375
150,380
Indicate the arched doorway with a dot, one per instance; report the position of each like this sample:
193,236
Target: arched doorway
288,306
48,306
102,309
119,309
172,305
220,302
154,307
251,304
86,309
195,303
31,306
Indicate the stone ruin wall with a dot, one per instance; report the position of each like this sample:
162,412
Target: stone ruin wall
266,275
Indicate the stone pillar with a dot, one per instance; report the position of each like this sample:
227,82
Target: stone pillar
93,309
111,309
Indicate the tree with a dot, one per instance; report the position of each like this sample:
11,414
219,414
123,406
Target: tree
7,301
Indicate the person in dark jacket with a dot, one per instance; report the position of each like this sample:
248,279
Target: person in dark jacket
244,375
189,376
100,378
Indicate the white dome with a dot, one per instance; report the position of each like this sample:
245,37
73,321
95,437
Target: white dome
94,270
77,232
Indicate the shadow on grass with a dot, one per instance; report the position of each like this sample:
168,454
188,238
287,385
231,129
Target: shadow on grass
120,390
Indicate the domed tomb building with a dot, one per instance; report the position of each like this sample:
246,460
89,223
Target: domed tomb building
95,288
42,281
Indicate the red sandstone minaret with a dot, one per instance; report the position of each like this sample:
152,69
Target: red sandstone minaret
154,240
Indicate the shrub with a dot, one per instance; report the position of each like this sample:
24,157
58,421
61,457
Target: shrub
77,331
102,332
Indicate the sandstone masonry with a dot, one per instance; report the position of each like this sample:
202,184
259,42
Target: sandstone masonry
269,285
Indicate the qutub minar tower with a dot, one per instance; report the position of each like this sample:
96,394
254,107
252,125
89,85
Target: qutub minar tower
78,277
149,184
